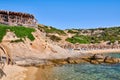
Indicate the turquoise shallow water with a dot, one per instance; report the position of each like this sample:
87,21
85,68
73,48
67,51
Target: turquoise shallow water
117,55
87,72
84,71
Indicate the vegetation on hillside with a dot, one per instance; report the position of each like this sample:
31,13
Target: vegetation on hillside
20,31
55,38
51,30
72,31
110,34
81,36
86,36
107,34
79,39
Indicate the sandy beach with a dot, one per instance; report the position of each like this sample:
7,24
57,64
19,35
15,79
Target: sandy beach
100,51
31,73
14,72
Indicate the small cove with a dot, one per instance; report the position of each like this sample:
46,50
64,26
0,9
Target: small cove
83,71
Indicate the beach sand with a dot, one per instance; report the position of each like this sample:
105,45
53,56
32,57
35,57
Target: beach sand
31,73
14,72
101,51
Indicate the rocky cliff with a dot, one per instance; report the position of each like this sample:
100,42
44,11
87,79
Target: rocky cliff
41,47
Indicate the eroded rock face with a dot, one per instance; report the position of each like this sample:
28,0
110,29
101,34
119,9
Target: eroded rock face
39,48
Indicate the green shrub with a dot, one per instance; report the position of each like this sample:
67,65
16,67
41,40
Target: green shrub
2,32
51,30
55,38
79,39
20,31
72,32
23,32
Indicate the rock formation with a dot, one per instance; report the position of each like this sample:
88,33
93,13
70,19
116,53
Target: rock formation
17,18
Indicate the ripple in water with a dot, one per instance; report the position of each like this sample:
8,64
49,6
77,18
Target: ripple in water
86,72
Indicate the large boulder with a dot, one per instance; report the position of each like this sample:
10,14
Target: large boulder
111,60
97,56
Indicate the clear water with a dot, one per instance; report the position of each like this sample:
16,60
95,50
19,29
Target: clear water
84,71
116,55
87,72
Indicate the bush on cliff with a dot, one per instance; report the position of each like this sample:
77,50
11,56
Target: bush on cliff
51,30
20,31
79,39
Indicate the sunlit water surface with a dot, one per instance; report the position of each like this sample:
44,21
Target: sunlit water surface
84,71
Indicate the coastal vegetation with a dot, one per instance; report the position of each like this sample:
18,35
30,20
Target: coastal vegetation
72,31
79,39
50,29
55,38
20,31
98,35
83,36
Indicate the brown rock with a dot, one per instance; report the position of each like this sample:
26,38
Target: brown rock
100,60
77,61
97,56
94,62
111,60
71,61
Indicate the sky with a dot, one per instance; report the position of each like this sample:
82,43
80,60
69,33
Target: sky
67,14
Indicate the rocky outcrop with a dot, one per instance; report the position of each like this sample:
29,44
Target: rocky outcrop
93,59
98,59
109,59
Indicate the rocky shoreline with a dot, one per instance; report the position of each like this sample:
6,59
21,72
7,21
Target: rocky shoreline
91,58
25,65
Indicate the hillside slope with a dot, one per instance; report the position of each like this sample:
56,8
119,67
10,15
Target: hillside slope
83,36
40,47
47,42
